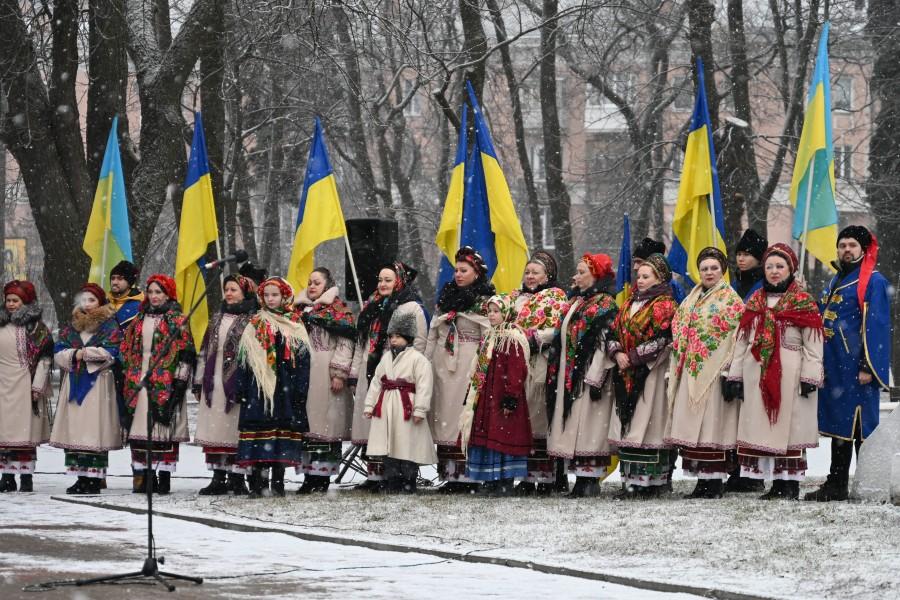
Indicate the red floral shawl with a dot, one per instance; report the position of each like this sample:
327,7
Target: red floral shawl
796,308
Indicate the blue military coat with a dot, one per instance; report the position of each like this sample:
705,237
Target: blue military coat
855,340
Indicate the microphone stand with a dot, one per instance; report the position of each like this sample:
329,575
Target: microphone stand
150,569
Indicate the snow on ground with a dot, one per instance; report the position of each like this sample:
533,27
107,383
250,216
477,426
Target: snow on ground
47,540
777,549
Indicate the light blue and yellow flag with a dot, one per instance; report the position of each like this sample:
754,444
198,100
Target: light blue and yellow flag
197,230
319,217
623,274
698,222
108,237
447,238
812,185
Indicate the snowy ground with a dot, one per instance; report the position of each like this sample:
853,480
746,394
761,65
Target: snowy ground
737,544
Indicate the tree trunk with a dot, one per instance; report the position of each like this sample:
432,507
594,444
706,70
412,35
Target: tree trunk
883,186
738,175
701,16
534,208
357,121
475,43
557,192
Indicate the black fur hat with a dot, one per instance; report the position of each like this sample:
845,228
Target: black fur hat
752,243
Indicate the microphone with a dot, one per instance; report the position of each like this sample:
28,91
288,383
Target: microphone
239,256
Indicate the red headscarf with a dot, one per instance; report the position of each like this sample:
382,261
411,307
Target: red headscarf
165,282
96,291
785,252
23,289
600,265
469,255
287,292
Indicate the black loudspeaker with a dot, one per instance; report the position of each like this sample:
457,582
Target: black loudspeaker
373,242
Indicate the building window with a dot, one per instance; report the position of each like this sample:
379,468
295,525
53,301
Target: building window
547,241
843,162
414,107
842,94
537,162
622,85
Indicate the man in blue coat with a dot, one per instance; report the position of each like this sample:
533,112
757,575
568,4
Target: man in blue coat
749,274
856,312
123,295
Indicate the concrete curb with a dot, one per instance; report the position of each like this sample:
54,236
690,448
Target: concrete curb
644,584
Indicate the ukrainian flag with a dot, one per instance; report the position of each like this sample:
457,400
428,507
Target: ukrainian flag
698,222
447,238
812,186
108,237
623,275
320,217
197,230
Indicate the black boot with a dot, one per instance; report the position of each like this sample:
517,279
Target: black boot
714,489
409,485
777,491
164,483
7,483
314,483
26,483
217,486
94,485
256,483
236,484
699,490
526,488
836,487
369,485
743,485
792,490
585,487
562,477
78,486
278,481
543,490
505,488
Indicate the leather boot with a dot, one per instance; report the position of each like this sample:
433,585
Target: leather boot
217,486
8,483
256,483
278,481
94,485
714,489
837,486
236,484
777,491
791,490
699,490
526,488
585,487
78,486
164,485
562,477
26,483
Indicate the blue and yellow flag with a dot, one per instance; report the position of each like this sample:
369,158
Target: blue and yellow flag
812,185
447,238
319,217
509,249
698,222
197,230
108,237
623,274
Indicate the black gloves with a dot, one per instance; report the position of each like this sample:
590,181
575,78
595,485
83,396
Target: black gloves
509,403
807,388
179,389
595,393
732,390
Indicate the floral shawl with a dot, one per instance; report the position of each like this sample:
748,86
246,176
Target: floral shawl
542,310
796,308
107,336
703,338
651,324
592,316
334,317
502,338
166,356
33,340
258,347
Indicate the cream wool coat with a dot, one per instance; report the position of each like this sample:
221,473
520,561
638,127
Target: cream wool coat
19,426
330,414
360,427
391,435
215,427
452,373
93,426
797,426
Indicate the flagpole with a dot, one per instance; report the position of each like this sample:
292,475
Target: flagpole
103,257
353,269
809,185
